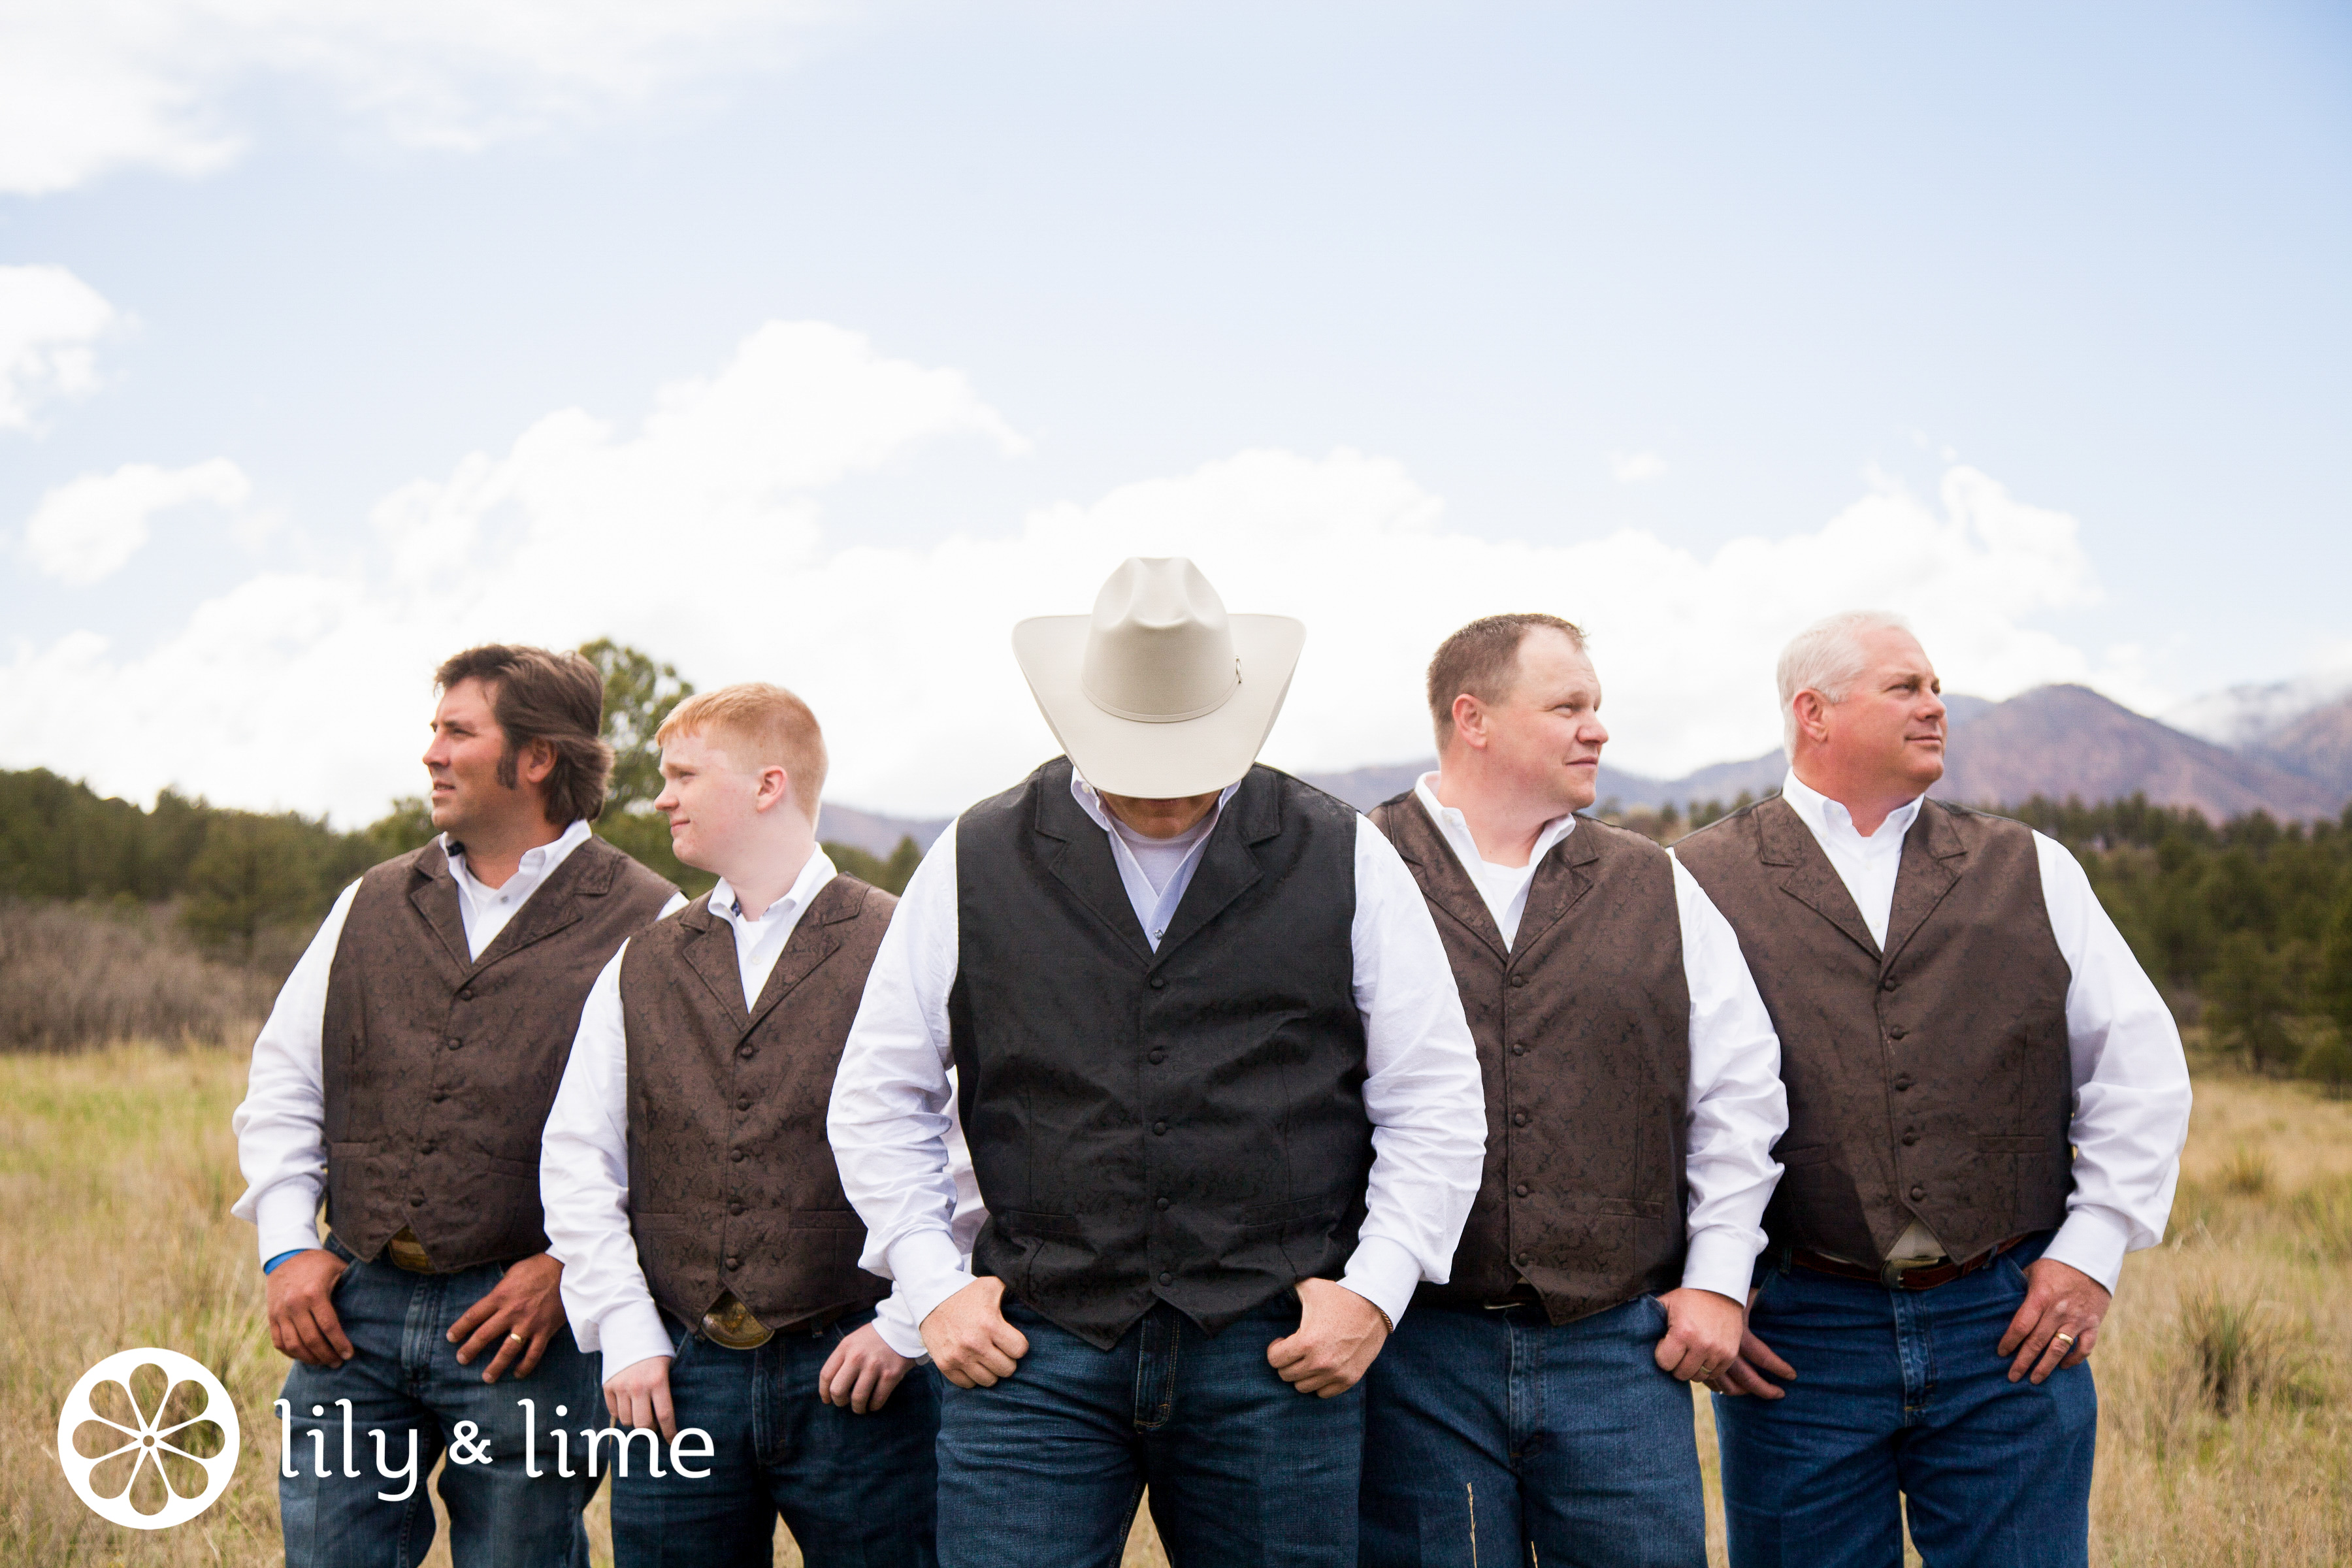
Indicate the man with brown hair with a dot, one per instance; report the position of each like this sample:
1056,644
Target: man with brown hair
709,1251
1987,1101
1537,1400
405,1072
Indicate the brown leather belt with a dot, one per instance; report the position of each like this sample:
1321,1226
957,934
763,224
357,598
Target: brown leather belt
1921,1278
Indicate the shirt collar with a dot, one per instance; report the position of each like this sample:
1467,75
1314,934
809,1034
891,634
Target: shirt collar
1456,827
534,860
1090,802
1826,815
819,870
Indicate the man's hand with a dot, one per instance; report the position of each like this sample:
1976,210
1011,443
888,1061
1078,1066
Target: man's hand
638,1396
1339,1334
302,1321
1703,1332
969,1342
862,1371
521,1316
1745,1374
2060,1301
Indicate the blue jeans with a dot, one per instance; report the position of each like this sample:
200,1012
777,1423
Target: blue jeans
1903,1393
1043,1470
855,1490
1498,1437
404,1378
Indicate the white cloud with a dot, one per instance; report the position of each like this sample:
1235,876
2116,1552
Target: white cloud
49,322
699,536
98,85
1634,468
84,530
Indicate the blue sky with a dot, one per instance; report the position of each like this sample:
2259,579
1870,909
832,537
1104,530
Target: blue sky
1577,296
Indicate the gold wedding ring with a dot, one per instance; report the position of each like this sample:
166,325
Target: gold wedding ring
2055,1339
518,1339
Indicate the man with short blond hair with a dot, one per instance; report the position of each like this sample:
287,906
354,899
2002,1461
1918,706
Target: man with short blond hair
1534,1406
709,1252
1986,1102
404,1075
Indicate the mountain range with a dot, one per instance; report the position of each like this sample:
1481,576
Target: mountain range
2284,749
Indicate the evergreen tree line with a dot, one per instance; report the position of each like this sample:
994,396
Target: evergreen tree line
2246,924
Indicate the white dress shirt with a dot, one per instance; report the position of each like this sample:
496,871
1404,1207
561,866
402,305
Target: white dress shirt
584,1168
1422,1090
1738,1107
280,1140
2131,1080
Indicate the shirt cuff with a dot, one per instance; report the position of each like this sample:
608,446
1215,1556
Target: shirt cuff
628,1335
2093,1241
287,1216
1384,1273
1720,1258
927,1270
900,1335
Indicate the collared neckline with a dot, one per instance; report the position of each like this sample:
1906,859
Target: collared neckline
1826,815
1457,827
815,873
534,860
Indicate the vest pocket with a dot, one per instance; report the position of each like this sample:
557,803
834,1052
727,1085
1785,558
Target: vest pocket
1814,1154
1018,1222
516,1170
825,1219
1314,1210
2004,1143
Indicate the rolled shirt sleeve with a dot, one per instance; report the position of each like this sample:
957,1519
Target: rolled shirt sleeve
1738,1107
1422,1090
2131,1081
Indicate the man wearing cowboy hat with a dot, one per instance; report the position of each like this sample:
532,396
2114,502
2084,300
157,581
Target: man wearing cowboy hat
1220,1101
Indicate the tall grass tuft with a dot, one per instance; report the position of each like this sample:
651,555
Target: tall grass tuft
2243,1350
81,974
2246,1172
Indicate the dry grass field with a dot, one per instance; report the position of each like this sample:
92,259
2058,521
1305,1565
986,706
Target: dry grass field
2225,1374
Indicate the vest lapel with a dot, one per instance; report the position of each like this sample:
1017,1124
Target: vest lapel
1809,879
1423,846
586,872
1228,867
1559,885
434,892
1077,852
709,951
1934,856
812,942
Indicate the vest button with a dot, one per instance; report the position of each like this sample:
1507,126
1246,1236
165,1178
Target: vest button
1909,1137
465,994
1897,1032
1903,1083
733,1264
1166,1278
1156,1057
455,1042
1520,1191
734,1208
1889,984
1523,1260
439,1095
744,1103
737,1155
1519,1050
1518,1119
747,1052
416,1203
1160,1204
1160,983
1519,980
1160,1127
1918,1192
425,1147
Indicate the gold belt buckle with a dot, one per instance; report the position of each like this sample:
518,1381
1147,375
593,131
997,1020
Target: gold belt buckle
731,1323
409,1253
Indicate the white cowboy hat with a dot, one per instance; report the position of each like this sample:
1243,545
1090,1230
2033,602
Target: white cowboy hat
1160,694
